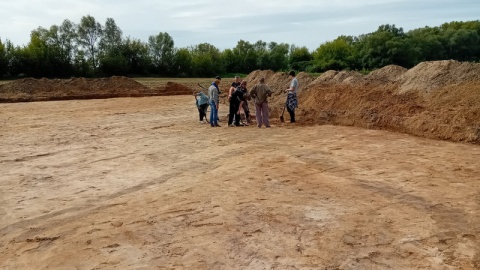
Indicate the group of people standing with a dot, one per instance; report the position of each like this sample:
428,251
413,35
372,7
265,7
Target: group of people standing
239,96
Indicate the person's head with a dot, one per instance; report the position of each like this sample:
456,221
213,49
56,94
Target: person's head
243,84
291,74
262,80
218,80
237,79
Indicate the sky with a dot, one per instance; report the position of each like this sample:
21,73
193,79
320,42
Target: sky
224,23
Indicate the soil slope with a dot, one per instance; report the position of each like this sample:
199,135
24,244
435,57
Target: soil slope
438,100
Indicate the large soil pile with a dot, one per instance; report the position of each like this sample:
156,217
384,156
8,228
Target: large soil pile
429,76
30,89
438,100
278,82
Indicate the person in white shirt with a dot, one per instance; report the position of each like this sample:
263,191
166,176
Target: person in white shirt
292,103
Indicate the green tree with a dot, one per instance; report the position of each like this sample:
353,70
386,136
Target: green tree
229,60
278,56
429,43
337,54
388,45
111,59
12,59
300,58
67,38
206,60
111,39
462,44
261,52
89,34
246,56
33,59
83,67
3,60
162,51
136,55
183,63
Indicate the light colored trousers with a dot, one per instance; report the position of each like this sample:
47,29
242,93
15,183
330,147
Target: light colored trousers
261,113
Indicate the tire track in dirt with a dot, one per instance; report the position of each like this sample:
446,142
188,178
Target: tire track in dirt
320,197
78,211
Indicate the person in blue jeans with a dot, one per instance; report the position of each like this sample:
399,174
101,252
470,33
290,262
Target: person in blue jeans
214,100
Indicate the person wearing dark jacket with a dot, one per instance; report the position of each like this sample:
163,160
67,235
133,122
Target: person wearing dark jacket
236,101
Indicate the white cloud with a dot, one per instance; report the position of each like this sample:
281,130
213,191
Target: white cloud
223,23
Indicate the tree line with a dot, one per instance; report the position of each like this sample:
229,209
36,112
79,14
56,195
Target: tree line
90,49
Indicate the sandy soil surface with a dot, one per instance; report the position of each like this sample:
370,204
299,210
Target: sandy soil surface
138,183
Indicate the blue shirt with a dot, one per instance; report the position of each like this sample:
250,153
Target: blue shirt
203,99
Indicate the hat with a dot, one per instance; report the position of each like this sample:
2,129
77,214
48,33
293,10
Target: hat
218,78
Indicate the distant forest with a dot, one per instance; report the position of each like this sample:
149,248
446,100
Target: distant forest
90,49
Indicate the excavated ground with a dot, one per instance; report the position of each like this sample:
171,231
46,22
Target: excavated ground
137,183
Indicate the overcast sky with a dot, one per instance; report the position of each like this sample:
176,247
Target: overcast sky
224,23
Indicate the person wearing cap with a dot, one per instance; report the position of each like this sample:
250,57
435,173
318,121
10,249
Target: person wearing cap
214,100
260,93
236,101
292,101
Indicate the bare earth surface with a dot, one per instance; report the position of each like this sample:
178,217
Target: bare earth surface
138,183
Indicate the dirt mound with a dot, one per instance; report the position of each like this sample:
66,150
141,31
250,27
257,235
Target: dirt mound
405,104
326,77
387,74
391,98
173,89
278,82
428,76
30,89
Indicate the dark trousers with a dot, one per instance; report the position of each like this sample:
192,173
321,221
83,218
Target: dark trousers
247,112
292,115
233,113
202,111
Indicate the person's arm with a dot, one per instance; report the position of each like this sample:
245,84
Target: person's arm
269,92
292,86
216,98
253,92
230,92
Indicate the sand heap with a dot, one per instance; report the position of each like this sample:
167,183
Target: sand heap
438,100
278,82
428,76
30,89
387,74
